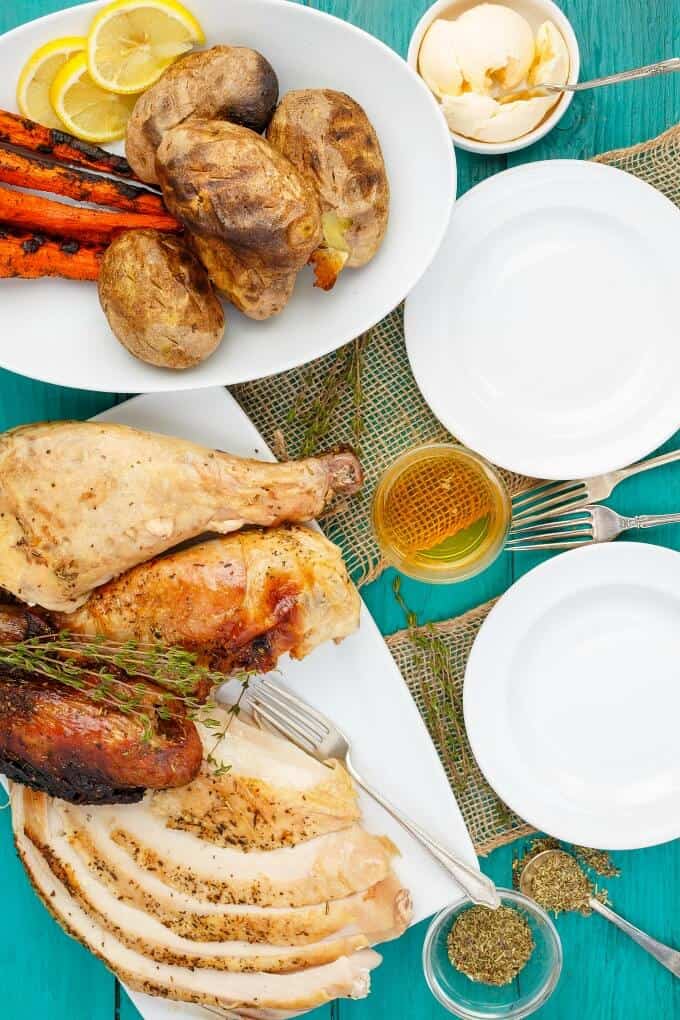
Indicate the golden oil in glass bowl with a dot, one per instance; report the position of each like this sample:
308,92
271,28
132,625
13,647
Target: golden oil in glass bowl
441,513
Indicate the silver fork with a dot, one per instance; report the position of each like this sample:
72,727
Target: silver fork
551,498
591,524
314,733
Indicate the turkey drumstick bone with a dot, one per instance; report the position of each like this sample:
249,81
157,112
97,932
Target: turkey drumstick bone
80,502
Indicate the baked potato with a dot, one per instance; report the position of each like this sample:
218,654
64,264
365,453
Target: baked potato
223,83
328,137
158,299
258,292
225,181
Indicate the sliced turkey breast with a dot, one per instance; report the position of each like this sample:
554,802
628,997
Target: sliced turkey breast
380,912
272,795
143,932
328,867
346,977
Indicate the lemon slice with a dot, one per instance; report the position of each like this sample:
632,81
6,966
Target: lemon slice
131,42
38,73
85,109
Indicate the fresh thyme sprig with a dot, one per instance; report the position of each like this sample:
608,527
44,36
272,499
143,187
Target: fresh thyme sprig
442,703
119,675
315,411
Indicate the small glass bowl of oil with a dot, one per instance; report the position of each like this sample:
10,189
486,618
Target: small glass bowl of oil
441,513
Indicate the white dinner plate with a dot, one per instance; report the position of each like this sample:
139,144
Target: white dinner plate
356,683
55,330
572,696
544,335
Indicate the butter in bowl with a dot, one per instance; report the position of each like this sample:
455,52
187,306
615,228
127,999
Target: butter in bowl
486,63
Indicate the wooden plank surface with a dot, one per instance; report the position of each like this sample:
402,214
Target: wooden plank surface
45,975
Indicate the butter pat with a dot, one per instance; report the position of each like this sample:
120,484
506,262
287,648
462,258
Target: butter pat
483,118
437,61
472,62
495,48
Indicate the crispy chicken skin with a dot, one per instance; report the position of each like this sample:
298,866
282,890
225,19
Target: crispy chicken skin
81,502
239,601
60,741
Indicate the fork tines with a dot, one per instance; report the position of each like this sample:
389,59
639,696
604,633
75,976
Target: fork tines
286,713
564,532
548,499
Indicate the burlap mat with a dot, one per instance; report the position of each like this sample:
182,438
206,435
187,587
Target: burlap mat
432,660
364,395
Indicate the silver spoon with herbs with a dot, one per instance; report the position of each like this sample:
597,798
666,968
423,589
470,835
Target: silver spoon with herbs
554,879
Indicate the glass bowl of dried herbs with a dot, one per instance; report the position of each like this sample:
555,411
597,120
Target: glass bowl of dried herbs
484,964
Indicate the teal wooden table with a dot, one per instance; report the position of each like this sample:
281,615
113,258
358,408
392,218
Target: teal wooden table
46,976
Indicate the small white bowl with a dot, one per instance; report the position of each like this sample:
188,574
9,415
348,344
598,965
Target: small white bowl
535,12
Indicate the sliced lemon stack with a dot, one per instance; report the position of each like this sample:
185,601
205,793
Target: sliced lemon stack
86,110
89,85
39,71
131,42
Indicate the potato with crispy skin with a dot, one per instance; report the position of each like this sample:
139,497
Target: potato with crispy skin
255,220
256,291
328,137
222,180
158,299
223,83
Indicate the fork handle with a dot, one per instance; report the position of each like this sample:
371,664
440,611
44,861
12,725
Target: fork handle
648,71
478,887
647,465
651,520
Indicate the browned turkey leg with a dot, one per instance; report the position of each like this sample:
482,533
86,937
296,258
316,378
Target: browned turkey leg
239,602
80,502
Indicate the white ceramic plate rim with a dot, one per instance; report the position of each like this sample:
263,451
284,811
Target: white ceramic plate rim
586,462
507,624
148,379
356,682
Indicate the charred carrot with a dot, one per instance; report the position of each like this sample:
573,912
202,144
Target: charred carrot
31,255
41,175
27,134
95,226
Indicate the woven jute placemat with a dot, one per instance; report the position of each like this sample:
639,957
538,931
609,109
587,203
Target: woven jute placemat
364,395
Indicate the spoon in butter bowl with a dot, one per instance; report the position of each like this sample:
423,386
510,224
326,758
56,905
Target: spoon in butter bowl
669,958
648,71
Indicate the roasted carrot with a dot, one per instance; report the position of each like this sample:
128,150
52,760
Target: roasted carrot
41,175
25,133
95,226
30,255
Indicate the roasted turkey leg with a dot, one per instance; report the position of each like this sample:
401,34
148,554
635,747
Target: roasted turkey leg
239,601
80,502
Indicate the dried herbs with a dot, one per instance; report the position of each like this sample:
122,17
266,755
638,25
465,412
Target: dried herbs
537,846
558,883
490,946
598,861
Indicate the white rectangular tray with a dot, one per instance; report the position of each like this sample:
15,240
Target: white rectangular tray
356,683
